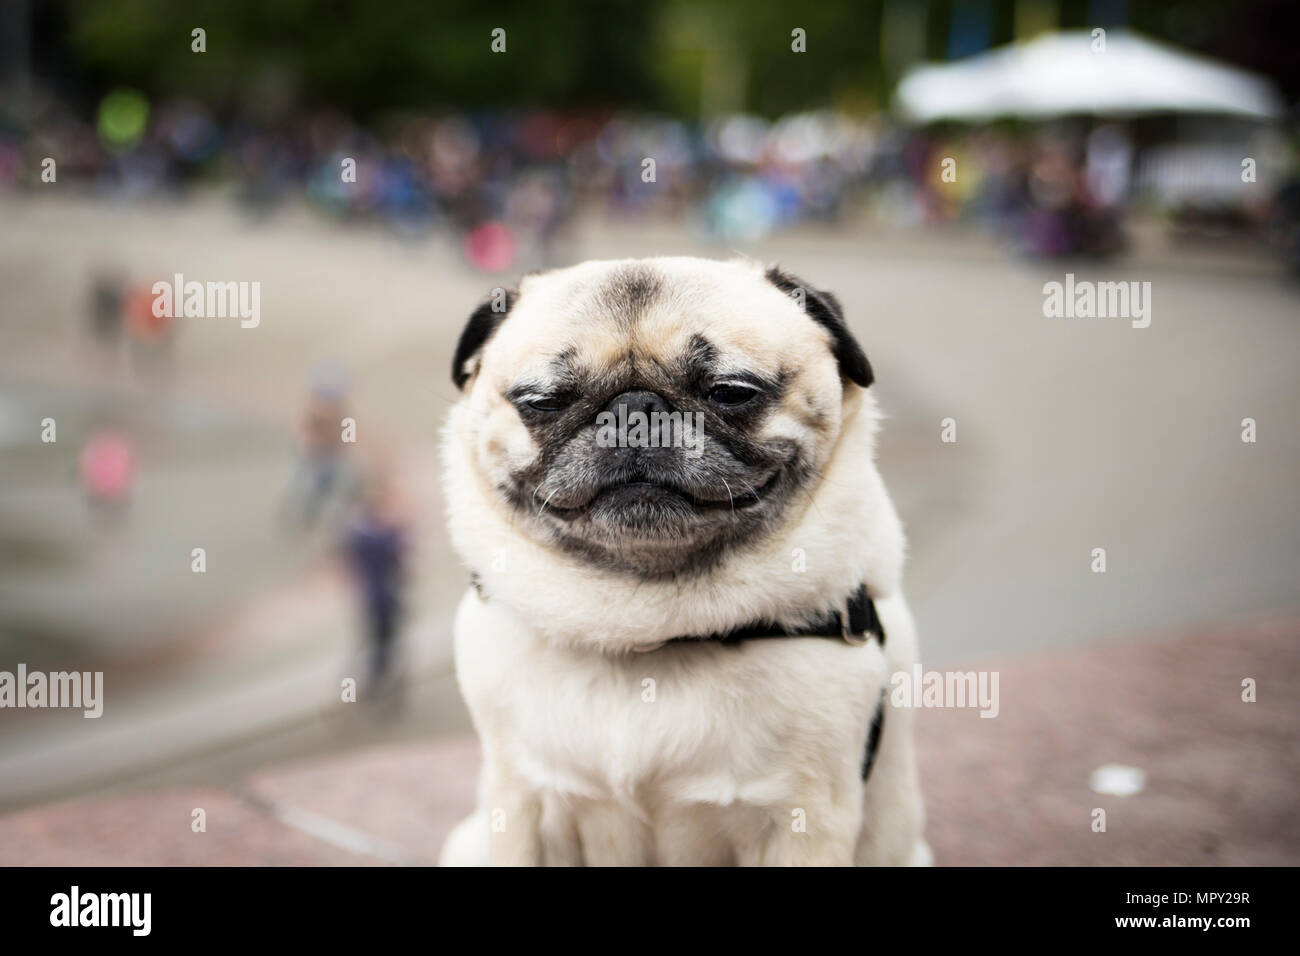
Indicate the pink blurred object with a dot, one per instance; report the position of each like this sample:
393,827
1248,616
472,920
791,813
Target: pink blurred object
107,466
141,321
491,247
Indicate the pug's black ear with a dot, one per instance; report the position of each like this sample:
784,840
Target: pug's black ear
482,323
824,309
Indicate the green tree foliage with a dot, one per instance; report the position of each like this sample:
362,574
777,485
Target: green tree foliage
361,56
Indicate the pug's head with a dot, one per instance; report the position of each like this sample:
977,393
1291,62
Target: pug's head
654,416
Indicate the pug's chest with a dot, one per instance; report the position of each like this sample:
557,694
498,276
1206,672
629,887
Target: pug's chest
632,737
687,727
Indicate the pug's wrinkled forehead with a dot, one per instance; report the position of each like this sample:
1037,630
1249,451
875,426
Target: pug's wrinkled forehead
652,322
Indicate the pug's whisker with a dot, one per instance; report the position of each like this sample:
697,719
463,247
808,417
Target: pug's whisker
730,496
758,495
546,502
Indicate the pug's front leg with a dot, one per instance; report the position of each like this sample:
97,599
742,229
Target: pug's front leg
817,833
514,814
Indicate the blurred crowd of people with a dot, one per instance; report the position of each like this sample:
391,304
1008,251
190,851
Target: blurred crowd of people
506,184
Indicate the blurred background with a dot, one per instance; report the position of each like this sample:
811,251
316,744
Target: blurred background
378,169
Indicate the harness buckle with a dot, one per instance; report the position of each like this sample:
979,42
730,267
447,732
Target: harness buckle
846,628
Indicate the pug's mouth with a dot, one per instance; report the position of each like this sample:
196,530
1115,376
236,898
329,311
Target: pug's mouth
671,497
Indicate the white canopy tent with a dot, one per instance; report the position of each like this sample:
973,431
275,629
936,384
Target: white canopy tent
1059,74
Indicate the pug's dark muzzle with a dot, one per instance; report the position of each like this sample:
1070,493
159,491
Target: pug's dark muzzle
656,510
636,480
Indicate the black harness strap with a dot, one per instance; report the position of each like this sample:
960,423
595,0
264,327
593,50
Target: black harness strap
857,624
873,738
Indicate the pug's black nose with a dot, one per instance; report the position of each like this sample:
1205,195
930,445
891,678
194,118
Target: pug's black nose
642,401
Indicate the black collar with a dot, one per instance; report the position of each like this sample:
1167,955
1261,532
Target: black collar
857,623
859,612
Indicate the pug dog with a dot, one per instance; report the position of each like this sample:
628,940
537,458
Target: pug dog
686,600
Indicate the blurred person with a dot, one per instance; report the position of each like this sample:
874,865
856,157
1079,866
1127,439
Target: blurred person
107,471
190,134
1108,164
1065,216
823,189
743,208
1002,201
104,312
491,247
323,479
539,205
453,167
375,543
149,333
265,167
403,197
1051,191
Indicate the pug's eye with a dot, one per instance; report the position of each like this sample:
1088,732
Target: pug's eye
730,394
545,403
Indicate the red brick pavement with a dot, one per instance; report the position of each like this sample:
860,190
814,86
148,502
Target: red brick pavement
1222,777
